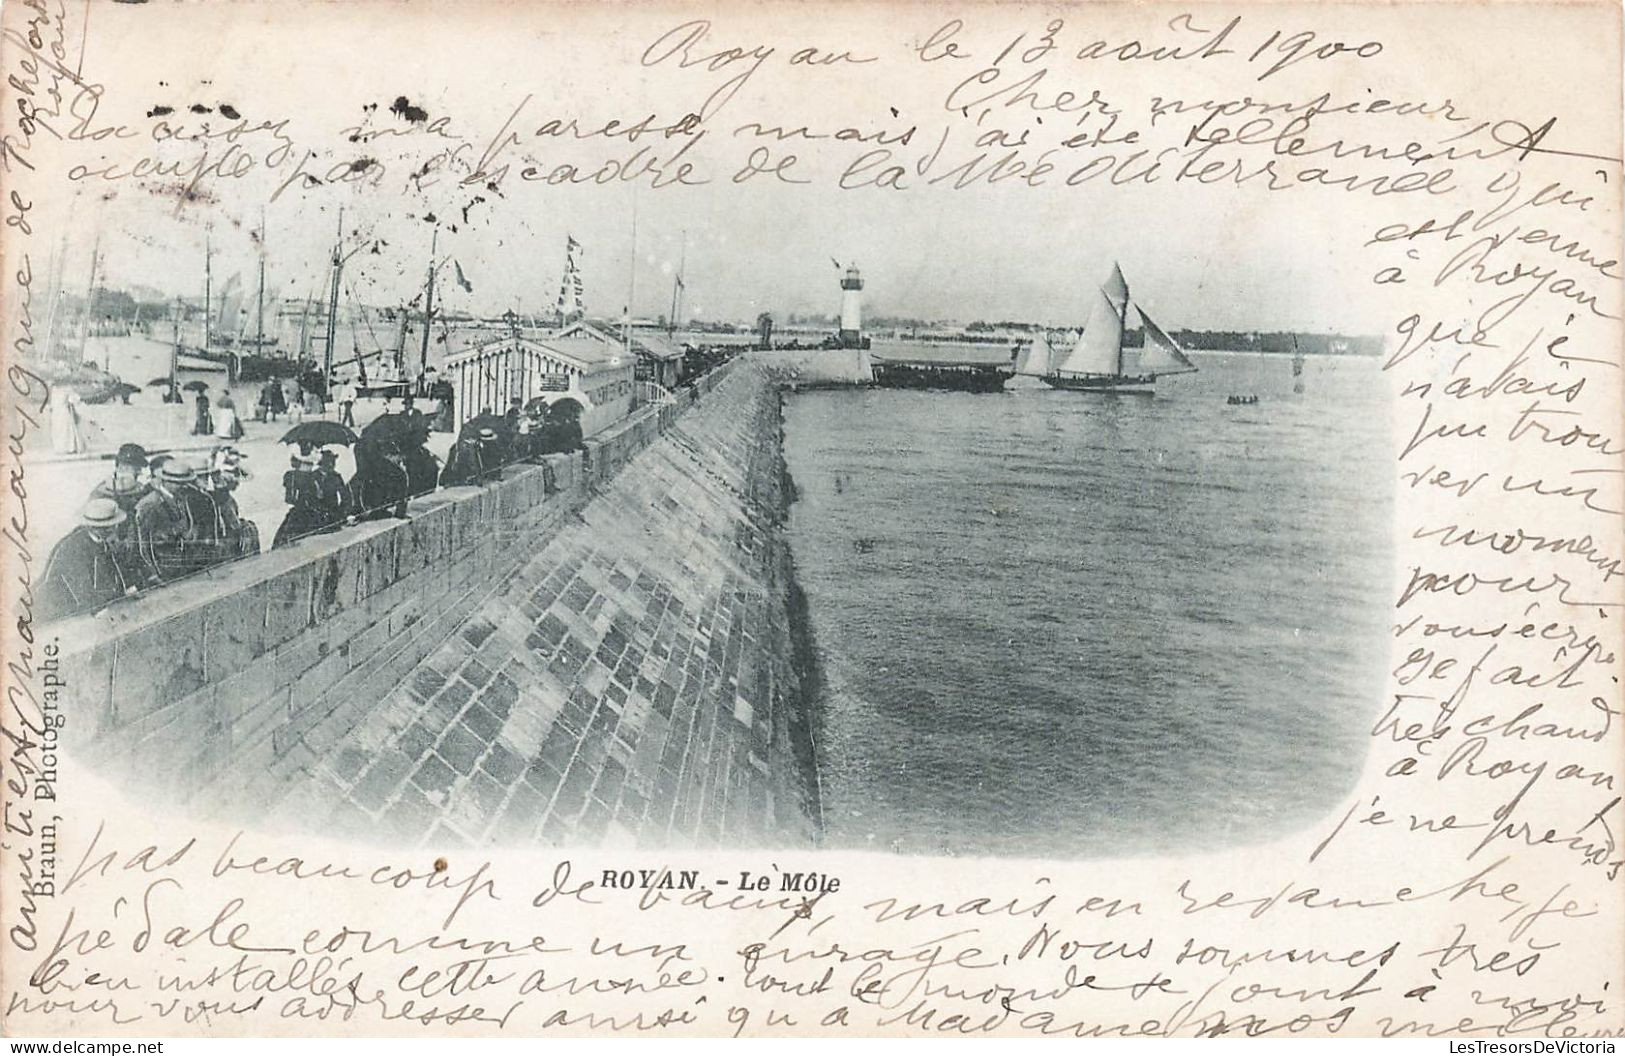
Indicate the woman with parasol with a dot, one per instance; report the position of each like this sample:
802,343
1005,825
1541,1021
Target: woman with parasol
407,433
307,489
561,432
380,484
300,492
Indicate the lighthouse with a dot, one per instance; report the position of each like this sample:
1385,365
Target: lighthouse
851,309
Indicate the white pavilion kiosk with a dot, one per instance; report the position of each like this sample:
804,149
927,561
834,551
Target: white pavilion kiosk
580,362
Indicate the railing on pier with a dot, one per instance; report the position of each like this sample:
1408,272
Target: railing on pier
653,393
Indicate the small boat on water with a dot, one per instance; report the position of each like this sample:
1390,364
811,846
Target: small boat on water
1096,362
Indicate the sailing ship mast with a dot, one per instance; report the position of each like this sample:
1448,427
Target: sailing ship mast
53,349
428,302
90,297
1096,361
677,286
333,299
1099,349
357,309
259,297
174,394
304,327
208,288
400,343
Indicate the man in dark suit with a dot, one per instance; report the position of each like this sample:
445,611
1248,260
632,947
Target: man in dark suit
91,567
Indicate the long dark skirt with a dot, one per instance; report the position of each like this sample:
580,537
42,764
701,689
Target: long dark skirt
300,522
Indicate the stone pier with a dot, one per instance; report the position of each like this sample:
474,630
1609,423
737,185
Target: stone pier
598,653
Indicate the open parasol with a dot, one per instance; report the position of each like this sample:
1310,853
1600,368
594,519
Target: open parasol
566,409
390,428
318,434
472,427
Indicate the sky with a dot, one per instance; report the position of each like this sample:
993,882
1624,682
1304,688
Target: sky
1200,258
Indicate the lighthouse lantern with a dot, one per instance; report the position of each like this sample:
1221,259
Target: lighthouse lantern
851,309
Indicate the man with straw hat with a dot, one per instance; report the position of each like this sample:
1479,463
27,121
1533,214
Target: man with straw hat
472,460
90,567
210,546
165,531
229,537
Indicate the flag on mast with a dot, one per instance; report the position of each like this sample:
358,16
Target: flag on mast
570,290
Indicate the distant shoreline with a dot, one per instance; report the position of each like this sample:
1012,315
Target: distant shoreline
941,342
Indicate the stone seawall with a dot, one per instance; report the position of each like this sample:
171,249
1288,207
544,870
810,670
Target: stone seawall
599,651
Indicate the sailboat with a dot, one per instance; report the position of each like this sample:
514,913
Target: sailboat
256,356
1035,359
1096,363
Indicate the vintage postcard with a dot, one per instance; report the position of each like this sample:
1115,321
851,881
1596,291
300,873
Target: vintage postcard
992,519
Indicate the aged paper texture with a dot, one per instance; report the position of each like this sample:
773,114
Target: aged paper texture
787,519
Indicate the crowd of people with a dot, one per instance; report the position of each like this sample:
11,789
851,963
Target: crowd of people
161,517
393,463
523,433
288,396
156,520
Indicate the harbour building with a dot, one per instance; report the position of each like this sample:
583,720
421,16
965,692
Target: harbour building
580,362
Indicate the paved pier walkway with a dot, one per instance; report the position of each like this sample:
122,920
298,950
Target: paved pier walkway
630,684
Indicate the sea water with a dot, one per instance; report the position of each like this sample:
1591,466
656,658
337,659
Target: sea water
1072,624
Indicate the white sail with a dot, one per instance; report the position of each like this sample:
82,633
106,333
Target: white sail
231,305
1100,347
1160,354
1035,358
1116,291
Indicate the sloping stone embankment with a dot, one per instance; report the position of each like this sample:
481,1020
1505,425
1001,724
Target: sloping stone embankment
612,662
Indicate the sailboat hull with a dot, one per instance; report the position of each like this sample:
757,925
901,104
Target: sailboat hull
1116,384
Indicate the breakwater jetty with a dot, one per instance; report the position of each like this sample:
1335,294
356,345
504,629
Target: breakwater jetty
601,649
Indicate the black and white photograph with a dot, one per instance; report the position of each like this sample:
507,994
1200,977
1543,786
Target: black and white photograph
656,528
1033,484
